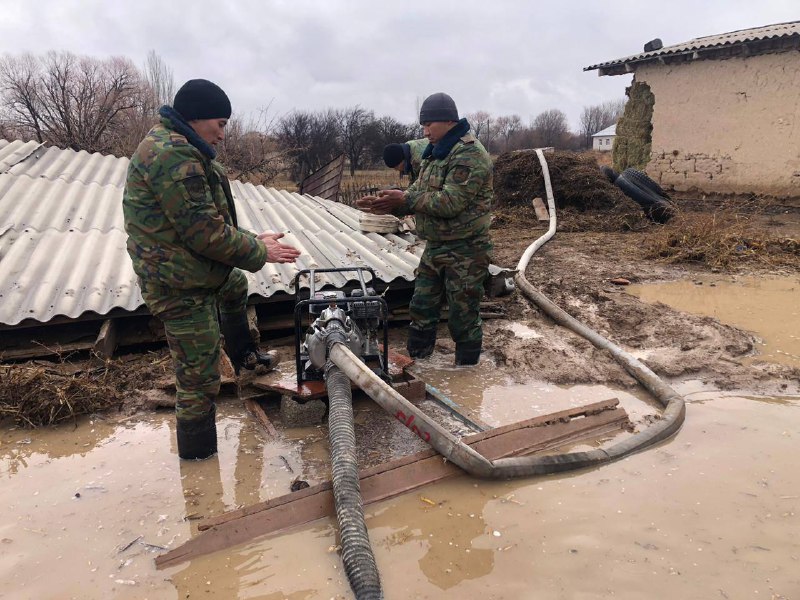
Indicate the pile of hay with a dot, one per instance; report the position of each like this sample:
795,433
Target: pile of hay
576,180
585,199
635,129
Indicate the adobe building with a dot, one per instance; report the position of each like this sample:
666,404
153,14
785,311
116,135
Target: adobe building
718,114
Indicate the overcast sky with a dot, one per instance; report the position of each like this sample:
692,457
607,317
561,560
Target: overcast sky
502,56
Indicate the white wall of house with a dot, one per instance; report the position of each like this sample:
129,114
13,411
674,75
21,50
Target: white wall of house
727,126
604,143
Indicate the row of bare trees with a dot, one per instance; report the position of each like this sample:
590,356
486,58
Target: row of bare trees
70,101
108,105
548,128
314,138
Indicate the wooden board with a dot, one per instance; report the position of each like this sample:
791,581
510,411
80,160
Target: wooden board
396,477
255,409
540,209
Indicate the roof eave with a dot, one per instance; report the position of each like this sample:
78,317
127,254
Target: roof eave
738,49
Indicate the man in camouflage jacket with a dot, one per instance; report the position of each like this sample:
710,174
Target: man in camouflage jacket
405,158
187,252
451,200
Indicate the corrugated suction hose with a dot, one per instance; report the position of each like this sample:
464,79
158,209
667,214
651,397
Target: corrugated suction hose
357,556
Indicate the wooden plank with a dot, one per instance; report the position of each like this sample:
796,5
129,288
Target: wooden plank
540,209
106,341
396,477
606,407
255,409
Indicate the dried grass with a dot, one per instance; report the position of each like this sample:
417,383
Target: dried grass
37,394
728,236
625,216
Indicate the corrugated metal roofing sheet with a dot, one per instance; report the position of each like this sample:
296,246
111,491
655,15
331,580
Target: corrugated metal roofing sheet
62,239
731,38
35,160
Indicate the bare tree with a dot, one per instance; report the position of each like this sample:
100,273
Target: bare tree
506,127
157,87
19,84
481,125
160,79
598,117
69,101
251,152
353,126
310,139
383,131
550,127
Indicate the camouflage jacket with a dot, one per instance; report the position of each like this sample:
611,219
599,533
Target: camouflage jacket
452,196
180,218
416,148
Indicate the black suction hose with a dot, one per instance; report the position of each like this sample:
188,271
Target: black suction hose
357,556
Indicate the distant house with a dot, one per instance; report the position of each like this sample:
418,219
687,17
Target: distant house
717,114
604,140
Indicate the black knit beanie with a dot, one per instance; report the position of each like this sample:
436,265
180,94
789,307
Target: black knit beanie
393,155
200,99
438,107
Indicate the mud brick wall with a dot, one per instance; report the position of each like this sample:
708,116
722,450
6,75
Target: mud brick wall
727,126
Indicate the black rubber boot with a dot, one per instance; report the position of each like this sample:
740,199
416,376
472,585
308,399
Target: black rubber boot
420,342
468,353
239,346
197,438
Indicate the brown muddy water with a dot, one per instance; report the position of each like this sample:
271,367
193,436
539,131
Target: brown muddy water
768,306
712,513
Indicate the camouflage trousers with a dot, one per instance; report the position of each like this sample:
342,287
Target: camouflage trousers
192,327
454,272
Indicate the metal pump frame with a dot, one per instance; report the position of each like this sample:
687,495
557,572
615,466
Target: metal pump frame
346,303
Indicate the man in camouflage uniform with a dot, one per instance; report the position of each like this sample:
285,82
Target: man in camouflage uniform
187,252
405,158
451,200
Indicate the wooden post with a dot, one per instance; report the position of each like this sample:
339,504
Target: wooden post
106,341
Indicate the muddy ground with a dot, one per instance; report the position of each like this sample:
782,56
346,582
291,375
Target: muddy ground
576,270
90,503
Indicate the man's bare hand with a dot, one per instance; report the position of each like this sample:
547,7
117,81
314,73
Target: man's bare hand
383,203
276,251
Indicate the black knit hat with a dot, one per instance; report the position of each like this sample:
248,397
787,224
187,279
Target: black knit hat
201,99
393,155
438,107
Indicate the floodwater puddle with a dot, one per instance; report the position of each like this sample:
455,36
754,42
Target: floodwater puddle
499,401
766,306
709,513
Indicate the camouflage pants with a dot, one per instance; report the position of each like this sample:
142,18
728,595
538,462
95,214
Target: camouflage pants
192,328
454,272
